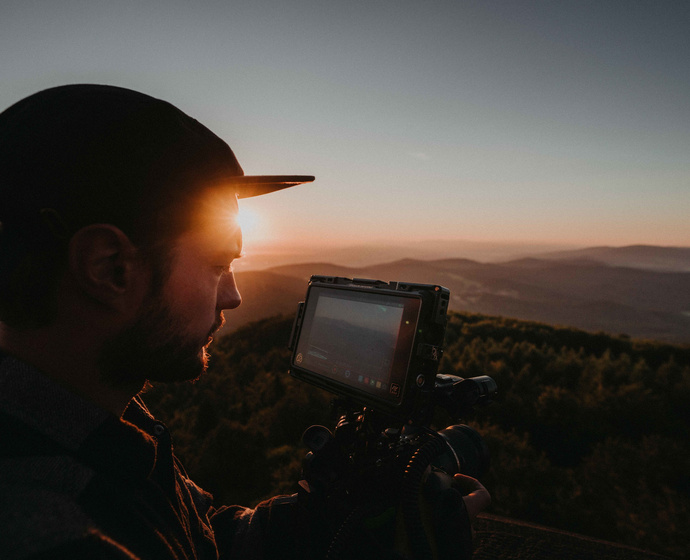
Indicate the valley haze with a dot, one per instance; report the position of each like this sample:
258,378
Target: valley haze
639,291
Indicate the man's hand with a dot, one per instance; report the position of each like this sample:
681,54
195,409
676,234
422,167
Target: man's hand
475,496
449,506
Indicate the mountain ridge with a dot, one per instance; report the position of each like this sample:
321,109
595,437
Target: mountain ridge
652,257
590,295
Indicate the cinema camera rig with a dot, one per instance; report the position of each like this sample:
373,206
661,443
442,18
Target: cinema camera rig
377,347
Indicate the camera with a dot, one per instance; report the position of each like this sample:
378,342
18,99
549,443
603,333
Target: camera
377,346
362,338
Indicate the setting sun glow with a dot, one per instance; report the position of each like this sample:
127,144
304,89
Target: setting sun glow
249,222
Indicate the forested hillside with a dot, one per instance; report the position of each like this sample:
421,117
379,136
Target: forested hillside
589,433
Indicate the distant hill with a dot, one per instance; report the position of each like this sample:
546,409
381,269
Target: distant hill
651,257
584,294
265,256
264,294
676,259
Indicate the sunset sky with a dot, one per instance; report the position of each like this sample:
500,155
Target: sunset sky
540,121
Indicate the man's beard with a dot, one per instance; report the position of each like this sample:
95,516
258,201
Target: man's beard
153,349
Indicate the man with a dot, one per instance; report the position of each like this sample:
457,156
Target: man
118,232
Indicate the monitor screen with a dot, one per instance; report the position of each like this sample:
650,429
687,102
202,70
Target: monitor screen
359,339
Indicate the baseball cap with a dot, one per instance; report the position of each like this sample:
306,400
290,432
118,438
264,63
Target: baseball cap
83,149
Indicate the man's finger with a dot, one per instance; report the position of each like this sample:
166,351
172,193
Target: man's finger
476,497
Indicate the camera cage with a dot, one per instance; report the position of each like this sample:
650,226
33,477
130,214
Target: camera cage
382,447
372,343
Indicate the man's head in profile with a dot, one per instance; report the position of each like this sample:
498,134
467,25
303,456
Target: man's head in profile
118,216
118,229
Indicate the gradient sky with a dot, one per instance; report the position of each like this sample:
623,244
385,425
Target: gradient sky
482,120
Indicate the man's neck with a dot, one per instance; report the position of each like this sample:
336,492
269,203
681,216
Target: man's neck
59,355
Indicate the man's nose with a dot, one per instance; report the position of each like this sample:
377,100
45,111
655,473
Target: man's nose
228,295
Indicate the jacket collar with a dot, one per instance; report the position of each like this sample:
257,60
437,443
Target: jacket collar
120,446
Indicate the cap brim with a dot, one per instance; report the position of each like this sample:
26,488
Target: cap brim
256,185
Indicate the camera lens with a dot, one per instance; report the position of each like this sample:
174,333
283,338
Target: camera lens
466,452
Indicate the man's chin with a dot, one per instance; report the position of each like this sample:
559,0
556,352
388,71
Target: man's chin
178,365
151,349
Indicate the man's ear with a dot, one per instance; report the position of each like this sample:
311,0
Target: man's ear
103,262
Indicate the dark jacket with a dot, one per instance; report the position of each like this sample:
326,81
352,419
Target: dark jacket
78,482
